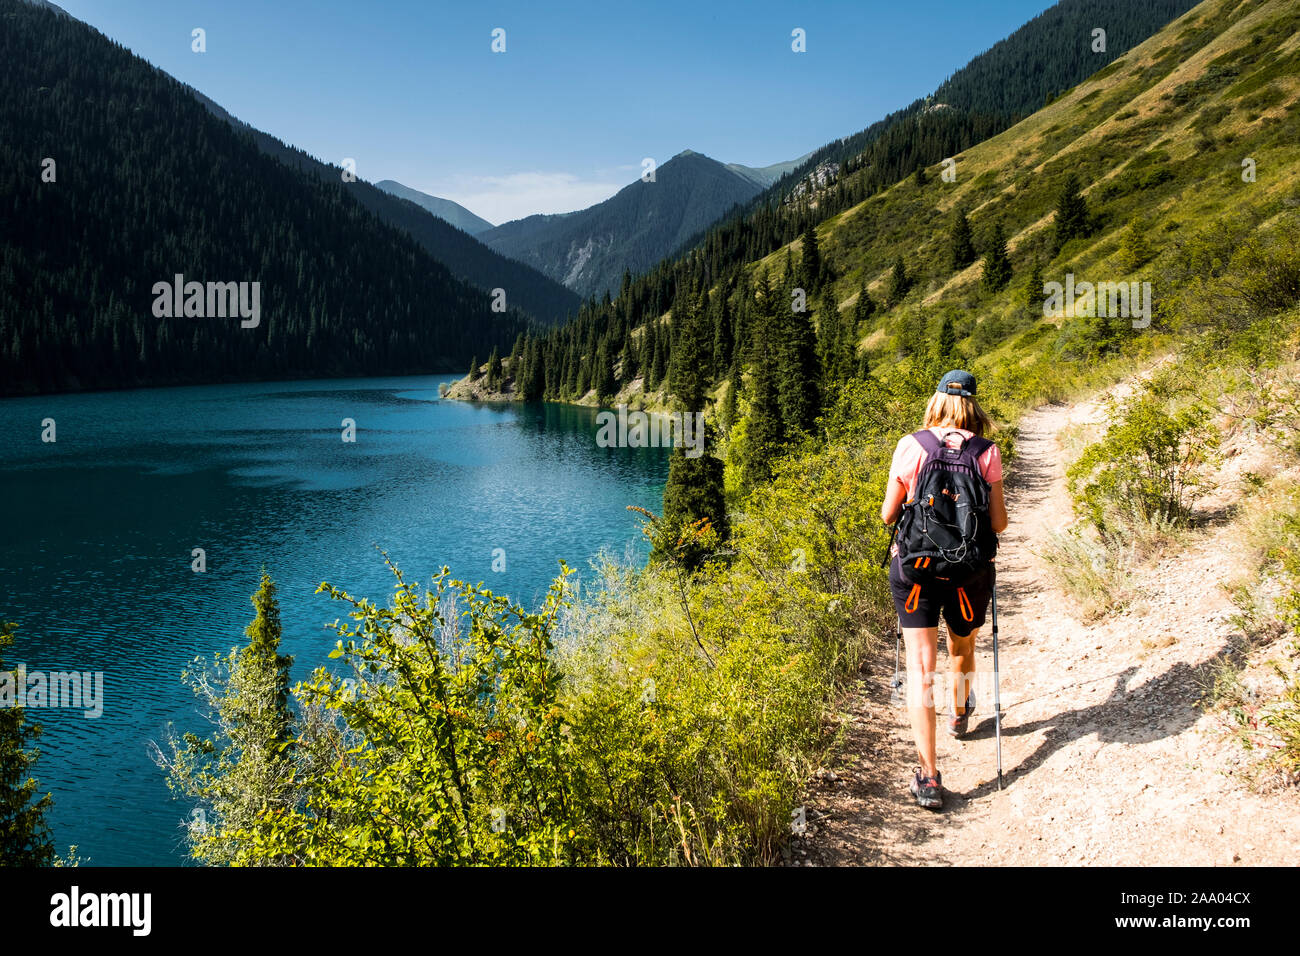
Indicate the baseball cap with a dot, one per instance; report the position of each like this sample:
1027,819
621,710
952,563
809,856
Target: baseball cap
957,382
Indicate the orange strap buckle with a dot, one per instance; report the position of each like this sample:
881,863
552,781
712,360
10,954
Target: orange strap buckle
963,602
913,599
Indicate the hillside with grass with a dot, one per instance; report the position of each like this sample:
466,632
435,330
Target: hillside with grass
728,703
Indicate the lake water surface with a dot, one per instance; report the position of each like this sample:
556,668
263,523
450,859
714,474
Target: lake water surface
97,531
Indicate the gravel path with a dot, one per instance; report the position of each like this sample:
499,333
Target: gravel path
1107,758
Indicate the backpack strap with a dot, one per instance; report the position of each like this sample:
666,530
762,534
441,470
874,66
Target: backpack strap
977,446
928,442
970,449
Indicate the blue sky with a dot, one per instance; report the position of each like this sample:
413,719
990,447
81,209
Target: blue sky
584,91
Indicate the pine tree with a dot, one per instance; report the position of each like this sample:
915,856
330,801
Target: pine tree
722,336
1034,295
246,770
811,266
798,373
899,283
1134,251
1072,217
494,371
261,665
864,365
863,308
658,366
24,834
473,368
945,349
533,387
962,252
997,265
689,359
918,175
603,375
727,415
694,491
764,431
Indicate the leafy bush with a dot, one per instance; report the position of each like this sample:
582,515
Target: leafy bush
1148,463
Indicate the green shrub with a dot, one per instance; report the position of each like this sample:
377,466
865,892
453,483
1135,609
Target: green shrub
1147,464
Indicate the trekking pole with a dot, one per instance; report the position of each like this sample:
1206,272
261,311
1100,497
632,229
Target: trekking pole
894,686
997,700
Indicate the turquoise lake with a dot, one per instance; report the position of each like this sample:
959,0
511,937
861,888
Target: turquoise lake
97,531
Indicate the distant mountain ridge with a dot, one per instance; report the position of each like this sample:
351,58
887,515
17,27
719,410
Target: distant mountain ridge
146,184
590,250
462,253
446,209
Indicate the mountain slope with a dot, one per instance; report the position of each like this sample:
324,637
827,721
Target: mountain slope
452,212
1110,131
143,184
463,254
1013,78
590,250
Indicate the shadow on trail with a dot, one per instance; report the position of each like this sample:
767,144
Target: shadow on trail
1121,718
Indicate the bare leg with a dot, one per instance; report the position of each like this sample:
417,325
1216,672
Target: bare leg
961,667
922,648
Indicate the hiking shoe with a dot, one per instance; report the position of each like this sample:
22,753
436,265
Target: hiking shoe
928,790
957,725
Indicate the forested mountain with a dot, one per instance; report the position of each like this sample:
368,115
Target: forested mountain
611,347
995,90
590,250
115,178
452,212
464,255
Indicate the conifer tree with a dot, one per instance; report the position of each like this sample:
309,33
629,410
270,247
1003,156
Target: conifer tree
689,359
1034,296
694,491
798,374
658,366
727,415
764,430
246,770
997,265
863,308
494,371
946,344
1134,251
899,283
962,252
811,265
24,834
1072,217
722,336
603,375
473,368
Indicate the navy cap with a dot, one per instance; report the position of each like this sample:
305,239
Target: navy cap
957,382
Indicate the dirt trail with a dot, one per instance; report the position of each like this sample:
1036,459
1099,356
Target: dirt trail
1107,758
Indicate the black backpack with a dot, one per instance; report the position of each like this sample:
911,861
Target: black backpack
945,533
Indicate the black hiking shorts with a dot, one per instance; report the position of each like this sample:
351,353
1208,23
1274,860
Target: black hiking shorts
963,608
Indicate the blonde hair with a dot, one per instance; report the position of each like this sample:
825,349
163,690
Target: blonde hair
957,411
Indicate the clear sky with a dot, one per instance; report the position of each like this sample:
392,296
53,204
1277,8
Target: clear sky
583,92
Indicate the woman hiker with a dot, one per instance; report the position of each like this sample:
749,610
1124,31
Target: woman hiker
952,417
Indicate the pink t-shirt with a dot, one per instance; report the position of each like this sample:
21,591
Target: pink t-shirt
909,456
